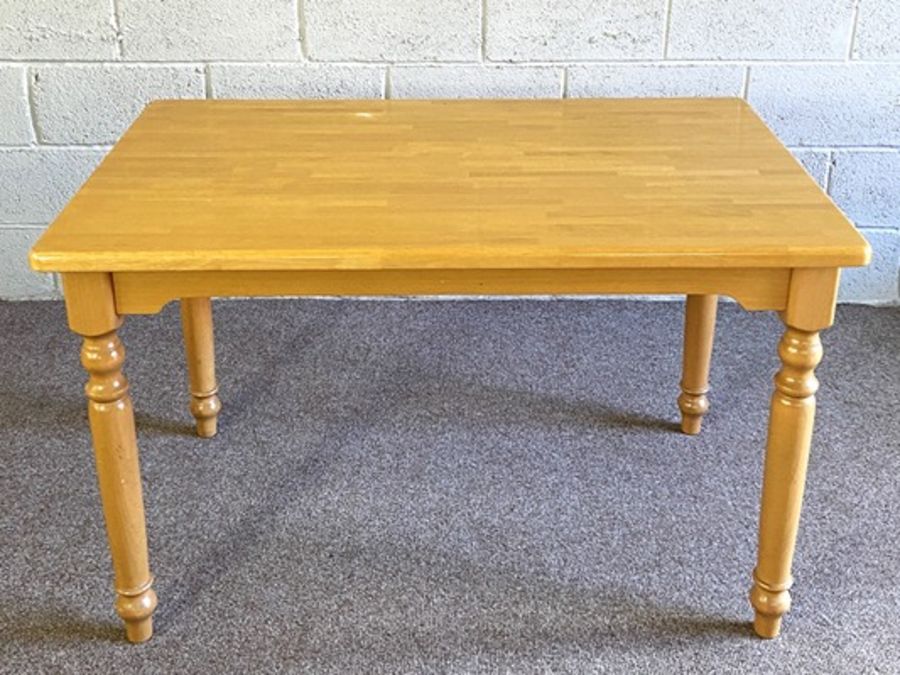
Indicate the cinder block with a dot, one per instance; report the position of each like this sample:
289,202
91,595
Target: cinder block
835,104
401,30
96,103
560,30
15,119
290,80
815,162
475,82
876,283
866,185
17,281
878,30
159,30
655,80
39,181
760,29
65,29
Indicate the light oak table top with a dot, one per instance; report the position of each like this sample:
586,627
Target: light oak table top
364,185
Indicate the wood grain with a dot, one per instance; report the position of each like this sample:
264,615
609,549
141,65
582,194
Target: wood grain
362,185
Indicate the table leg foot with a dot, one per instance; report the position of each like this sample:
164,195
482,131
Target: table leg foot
767,627
205,410
699,330
136,611
770,604
691,422
197,324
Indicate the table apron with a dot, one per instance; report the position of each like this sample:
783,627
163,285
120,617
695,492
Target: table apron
753,288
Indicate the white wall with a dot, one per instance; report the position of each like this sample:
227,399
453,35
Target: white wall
825,75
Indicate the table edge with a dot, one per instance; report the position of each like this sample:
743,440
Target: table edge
261,260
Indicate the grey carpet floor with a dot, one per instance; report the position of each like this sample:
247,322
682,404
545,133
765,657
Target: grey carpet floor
492,486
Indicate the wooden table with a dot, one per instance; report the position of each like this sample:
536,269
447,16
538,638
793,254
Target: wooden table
218,198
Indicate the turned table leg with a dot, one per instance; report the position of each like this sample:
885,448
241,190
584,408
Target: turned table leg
810,308
91,310
699,329
197,324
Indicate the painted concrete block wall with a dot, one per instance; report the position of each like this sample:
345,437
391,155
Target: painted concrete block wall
824,74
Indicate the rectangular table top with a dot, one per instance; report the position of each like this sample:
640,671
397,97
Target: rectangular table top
372,185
